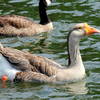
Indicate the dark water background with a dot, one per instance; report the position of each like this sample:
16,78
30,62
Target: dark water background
64,14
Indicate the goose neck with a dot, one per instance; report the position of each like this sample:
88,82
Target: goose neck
43,14
74,52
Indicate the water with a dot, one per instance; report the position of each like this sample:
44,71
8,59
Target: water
64,14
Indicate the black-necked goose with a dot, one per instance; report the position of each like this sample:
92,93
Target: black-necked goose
14,25
23,66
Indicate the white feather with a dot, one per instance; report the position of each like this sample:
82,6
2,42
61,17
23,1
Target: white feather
7,69
48,2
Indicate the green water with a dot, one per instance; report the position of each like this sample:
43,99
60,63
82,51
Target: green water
64,14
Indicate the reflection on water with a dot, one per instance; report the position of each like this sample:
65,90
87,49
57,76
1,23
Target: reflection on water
78,88
64,14
73,88
43,91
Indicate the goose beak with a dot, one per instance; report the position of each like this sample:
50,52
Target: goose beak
90,30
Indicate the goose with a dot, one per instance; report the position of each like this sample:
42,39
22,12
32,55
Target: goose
14,25
20,65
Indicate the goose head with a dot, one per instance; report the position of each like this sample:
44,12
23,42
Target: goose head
77,32
45,3
48,2
82,29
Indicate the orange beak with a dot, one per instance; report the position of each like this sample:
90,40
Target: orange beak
90,30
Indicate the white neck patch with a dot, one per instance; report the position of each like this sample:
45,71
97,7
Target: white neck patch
48,2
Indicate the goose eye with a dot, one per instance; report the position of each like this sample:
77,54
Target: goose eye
79,28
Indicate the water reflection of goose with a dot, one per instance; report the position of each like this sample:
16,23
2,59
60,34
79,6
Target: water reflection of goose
78,87
14,25
23,66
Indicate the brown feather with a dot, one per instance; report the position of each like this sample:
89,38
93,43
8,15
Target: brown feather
14,25
25,61
33,76
16,21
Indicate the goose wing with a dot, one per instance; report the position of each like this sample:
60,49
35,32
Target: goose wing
33,76
44,65
13,25
15,21
25,61
17,59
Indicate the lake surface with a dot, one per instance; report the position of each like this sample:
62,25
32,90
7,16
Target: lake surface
64,14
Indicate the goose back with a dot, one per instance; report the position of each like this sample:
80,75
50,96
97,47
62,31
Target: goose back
14,25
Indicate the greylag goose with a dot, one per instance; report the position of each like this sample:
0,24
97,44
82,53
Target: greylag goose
22,66
14,25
